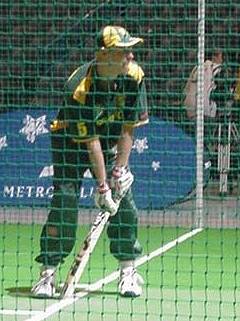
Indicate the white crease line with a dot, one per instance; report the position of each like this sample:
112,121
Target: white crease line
111,277
166,247
19,312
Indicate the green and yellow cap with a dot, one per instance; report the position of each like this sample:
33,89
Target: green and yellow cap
116,36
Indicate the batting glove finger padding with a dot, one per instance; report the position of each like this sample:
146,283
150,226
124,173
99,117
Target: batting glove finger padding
121,180
104,200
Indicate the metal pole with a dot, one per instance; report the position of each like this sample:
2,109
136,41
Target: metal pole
200,113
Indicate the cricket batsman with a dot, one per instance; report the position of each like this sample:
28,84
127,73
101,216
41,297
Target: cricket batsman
105,100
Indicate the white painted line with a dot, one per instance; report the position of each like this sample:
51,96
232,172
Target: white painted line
50,310
167,247
19,312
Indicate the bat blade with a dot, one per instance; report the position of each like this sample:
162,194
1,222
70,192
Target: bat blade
82,258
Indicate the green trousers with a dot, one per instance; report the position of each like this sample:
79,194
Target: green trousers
70,160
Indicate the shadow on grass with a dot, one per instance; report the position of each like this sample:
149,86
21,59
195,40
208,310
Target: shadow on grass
25,292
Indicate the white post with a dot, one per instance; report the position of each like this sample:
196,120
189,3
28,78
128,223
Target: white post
200,113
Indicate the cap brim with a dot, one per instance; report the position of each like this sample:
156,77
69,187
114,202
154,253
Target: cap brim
131,42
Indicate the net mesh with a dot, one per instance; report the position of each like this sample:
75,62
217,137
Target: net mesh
189,273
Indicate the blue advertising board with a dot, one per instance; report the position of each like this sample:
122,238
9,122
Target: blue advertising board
163,161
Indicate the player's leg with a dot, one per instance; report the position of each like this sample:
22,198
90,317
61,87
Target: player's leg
124,245
59,232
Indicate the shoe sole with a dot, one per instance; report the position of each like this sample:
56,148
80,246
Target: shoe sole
43,296
130,294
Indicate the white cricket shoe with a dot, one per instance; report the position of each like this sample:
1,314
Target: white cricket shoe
130,283
45,287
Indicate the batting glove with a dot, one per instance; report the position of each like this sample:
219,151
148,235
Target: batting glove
104,200
121,181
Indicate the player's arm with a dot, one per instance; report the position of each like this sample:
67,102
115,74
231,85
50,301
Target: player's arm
135,114
82,130
122,178
103,195
97,160
124,146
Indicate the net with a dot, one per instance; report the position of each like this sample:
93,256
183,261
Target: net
185,161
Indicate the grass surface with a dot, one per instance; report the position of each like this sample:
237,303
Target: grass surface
197,280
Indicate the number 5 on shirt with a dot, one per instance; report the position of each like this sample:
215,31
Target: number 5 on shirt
82,129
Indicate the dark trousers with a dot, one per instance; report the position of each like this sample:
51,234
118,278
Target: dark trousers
70,160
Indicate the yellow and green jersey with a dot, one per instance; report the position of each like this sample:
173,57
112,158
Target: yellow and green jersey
97,108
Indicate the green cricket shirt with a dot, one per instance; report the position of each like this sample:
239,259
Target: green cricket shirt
96,108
